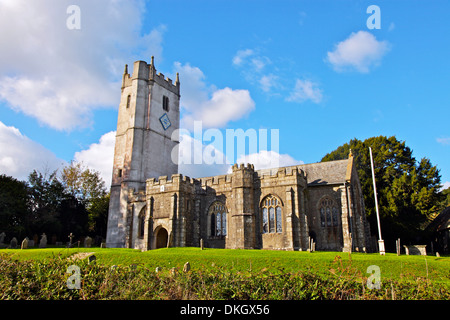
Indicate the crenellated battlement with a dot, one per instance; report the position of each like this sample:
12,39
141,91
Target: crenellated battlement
174,179
242,166
144,71
281,173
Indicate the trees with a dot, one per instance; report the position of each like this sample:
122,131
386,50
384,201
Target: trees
408,190
76,202
14,205
88,188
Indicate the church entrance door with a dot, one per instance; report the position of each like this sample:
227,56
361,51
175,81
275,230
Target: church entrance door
161,238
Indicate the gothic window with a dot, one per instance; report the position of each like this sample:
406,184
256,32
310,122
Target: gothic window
165,103
218,219
141,222
271,215
329,214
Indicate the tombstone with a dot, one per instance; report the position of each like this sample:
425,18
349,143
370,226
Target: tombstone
35,239
92,259
415,250
173,271
31,243
2,238
158,269
43,242
87,242
71,236
186,267
397,245
438,255
24,243
201,244
13,243
54,238
103,245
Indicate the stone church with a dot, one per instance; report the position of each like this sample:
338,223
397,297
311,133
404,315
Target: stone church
152,206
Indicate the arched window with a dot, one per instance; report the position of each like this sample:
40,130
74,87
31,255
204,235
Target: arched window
272,220
141,223
329,213
218,219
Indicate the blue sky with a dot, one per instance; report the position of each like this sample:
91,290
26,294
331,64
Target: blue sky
312,69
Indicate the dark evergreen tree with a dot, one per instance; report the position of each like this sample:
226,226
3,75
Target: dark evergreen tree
408,190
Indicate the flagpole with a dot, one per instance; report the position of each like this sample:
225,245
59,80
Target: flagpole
380,240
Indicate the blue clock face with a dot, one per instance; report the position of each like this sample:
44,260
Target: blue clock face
165,122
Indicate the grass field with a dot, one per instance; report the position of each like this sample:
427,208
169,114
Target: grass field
409,268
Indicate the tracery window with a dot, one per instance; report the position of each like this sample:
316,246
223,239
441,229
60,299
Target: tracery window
271,215
218,219
329,214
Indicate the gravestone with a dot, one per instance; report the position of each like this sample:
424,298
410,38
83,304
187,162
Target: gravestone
186,267
31,243
87,242
2,238
416,250
24,243
201,244
13,243
158,269
35,239
43,242
71,236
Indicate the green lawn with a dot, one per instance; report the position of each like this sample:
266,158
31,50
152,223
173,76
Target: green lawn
391,266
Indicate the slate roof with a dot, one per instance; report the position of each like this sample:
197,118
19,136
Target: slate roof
320,173
441,222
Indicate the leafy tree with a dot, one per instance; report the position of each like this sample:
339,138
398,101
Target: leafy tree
98,215
87,186
408,191
14,206
83,183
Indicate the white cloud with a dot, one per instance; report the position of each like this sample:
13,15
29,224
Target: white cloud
445,185
241,55
57,75
267,82
360,51
99,156
187,166
444,141
214,107
305,90
20,155
268,159
254,68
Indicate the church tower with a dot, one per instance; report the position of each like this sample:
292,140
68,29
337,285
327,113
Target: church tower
149,112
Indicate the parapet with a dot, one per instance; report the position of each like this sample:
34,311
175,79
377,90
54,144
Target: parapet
144,71
241,166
